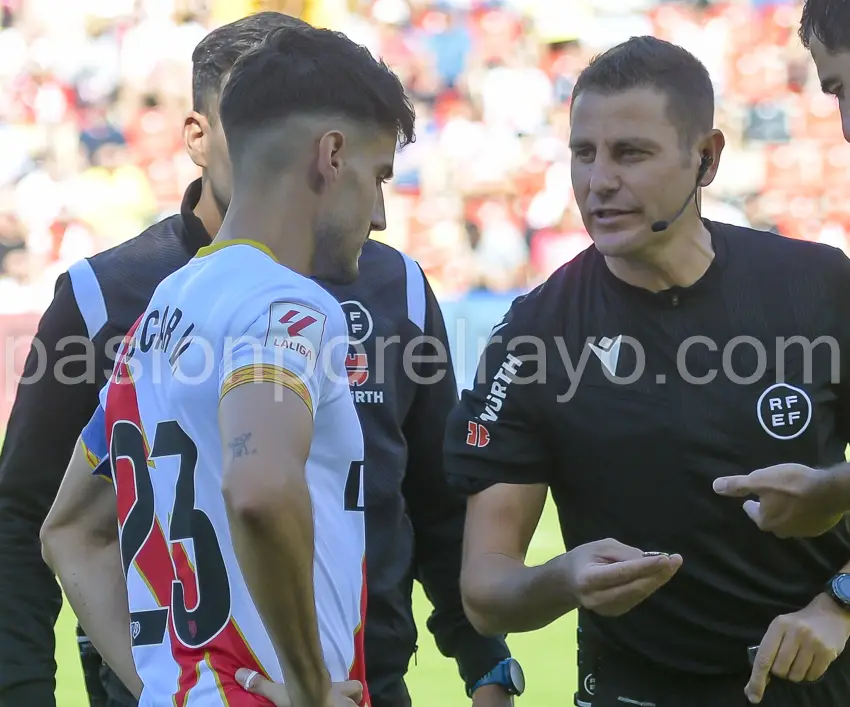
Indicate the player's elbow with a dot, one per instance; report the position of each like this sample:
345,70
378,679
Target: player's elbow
50,538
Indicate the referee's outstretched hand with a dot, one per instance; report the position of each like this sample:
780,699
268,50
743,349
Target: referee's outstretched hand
342,694
793,500
611,578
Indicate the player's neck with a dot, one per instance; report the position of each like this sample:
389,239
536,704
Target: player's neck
679,261
280,224
208,210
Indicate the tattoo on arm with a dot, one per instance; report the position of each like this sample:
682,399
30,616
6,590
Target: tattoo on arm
239,446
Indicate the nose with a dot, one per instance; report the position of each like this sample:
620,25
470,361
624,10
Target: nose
604,177
379,215
844,107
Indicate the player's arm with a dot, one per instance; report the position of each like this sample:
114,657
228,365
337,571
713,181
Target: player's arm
79,541
436,510
268,397
44,424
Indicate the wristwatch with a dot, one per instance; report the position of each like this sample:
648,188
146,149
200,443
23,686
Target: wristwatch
838,589
507,674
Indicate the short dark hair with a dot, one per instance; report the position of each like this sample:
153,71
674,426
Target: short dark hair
649,62
216,53
828,21
304,70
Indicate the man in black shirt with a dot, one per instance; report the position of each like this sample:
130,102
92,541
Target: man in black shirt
658,360
414,520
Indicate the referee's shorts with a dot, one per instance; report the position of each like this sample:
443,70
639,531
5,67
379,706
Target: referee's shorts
624,680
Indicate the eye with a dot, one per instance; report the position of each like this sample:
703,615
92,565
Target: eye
584,154
631,152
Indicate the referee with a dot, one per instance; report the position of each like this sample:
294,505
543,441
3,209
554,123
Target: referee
653,363
414,520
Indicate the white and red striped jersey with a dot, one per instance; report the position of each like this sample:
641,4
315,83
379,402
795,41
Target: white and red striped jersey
231,316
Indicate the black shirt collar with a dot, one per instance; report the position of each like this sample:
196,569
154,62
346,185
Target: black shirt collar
194,234
676,294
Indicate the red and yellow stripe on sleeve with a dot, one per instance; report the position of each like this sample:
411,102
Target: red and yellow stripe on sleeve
91,457
267,373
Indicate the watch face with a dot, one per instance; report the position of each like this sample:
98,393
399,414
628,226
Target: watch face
841,587
517,677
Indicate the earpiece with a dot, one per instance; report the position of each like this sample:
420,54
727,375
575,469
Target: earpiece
706,162
704,165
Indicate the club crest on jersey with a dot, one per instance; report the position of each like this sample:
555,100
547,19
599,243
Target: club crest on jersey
298,329
357,367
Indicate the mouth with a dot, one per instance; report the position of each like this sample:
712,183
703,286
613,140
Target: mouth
609,214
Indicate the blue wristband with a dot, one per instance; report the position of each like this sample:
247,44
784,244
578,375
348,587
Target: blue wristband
507,674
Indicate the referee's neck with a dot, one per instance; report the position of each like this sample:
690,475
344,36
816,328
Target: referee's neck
678,261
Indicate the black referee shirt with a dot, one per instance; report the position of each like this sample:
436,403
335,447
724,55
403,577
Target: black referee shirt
590,385
414,519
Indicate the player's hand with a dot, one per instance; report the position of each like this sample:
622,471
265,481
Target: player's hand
793,500
342,694
610,578
800,646
491,696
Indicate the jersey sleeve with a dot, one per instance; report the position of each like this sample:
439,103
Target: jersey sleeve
297,342
493,435
842,299
93,440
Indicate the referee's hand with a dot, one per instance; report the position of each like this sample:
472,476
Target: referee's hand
611,578
799,647
342,694
794,501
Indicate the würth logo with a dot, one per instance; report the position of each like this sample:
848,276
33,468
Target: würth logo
357,367
296,326
477,435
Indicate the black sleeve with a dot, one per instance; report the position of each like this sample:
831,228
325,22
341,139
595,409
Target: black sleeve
44,424
437,511
493,435
841,305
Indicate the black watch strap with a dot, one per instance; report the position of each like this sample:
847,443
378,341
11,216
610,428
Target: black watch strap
838,589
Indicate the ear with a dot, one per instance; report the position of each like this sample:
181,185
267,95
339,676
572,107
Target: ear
196,130
710,149
329,162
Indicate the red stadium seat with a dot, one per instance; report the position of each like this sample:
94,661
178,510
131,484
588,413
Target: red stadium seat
820,119
796,168
836,163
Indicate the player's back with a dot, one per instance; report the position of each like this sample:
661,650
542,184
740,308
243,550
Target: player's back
230,316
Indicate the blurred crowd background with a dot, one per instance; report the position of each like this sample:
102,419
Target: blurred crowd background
93,95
